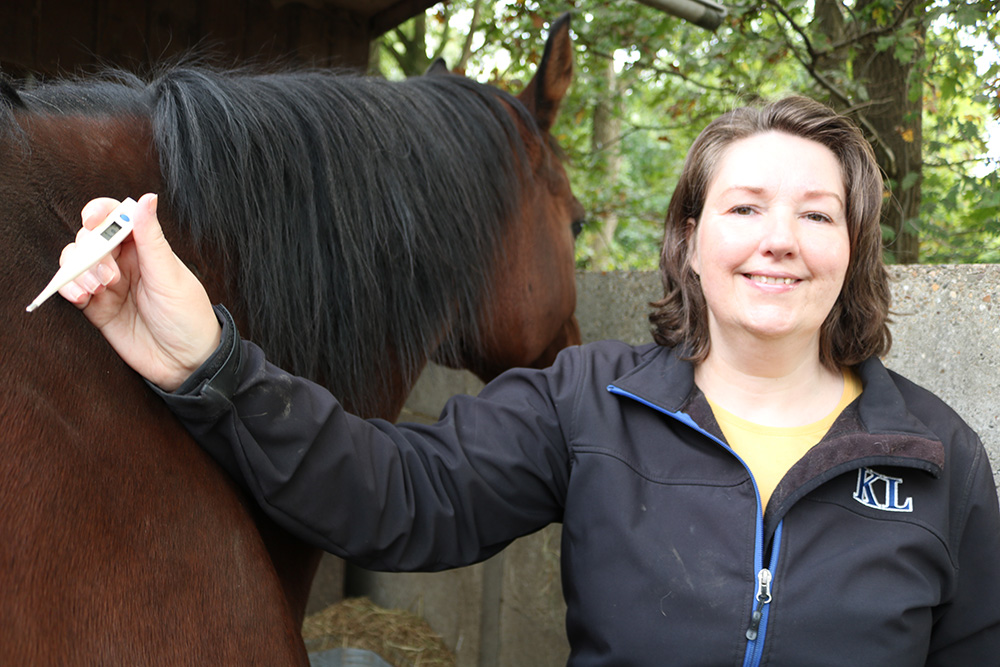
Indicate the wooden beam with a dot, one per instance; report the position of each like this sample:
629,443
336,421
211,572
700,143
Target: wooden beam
397,13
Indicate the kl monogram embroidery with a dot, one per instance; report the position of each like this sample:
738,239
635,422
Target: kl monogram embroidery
881,492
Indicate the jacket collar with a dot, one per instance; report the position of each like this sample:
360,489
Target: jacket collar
882,407
666,381
662,378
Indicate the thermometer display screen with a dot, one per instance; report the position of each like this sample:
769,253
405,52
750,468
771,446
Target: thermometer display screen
112,229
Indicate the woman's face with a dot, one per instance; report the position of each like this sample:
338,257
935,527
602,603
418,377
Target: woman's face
772,245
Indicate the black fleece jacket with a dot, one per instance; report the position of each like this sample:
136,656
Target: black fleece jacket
879,547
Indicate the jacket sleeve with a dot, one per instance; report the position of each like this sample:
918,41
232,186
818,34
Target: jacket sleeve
967,627
407,497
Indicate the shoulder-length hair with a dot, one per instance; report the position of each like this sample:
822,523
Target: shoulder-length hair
857,326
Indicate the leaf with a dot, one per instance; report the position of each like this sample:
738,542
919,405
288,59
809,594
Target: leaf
883,44
905,48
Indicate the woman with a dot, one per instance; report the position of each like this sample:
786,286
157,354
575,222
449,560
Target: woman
753,488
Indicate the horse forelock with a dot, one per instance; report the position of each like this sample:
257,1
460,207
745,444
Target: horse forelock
364,215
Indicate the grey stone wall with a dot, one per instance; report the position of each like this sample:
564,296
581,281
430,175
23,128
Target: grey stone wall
508,611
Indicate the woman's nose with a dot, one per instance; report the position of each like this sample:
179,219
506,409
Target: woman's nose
779,235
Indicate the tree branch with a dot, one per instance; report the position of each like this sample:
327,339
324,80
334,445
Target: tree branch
445,33
877,32
632,129
644,65
954,165
396,55
842,96
405,39
795,26
477,9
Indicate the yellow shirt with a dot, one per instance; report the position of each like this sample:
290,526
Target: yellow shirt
769,451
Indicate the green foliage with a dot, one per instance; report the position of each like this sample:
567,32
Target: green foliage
674,77
960,211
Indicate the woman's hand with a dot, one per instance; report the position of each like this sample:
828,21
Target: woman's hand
145,301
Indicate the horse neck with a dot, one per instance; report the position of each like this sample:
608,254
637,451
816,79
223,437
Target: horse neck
77,158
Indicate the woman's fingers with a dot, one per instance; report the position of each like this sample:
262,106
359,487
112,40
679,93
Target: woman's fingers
106,272
95,211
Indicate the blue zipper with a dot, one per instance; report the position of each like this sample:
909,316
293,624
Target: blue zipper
761,603
763,593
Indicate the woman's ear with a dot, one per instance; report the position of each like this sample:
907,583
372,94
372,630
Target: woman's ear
691,238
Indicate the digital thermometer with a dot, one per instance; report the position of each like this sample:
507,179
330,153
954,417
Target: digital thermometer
91,248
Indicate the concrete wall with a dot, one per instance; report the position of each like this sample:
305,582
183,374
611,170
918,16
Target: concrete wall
508,611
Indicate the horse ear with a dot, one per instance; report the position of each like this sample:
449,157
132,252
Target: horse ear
437,68
546,89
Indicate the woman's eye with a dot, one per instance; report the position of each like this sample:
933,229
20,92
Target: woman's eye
742,210
818,217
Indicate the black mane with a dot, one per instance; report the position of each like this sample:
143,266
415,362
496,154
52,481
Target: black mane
363,214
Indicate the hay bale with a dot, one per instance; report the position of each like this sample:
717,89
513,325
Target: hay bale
401,638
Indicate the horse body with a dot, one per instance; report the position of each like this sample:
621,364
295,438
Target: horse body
121,541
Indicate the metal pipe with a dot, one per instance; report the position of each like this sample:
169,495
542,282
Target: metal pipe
704,13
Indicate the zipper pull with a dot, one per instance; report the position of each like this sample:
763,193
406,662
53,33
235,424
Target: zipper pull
763,597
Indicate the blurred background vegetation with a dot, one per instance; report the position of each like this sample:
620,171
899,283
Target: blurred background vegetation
922,78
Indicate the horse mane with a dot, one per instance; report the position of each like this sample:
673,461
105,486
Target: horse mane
9,96
365,216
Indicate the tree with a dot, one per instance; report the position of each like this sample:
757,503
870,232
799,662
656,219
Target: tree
881,45
874,59
606,147
906,70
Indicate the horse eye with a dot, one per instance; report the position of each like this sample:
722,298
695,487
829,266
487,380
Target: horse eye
577,227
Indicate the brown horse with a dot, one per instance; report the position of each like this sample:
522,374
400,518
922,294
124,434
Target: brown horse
356,228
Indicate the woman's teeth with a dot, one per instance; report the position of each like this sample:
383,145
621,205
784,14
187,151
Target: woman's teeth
771,280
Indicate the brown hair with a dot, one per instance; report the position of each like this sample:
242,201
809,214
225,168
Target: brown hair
857,326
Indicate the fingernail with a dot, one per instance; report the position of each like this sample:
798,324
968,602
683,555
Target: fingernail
89,281
74,292
105,273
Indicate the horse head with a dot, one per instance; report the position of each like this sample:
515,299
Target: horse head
533,296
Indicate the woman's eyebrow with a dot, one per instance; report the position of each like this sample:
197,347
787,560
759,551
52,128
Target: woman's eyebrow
808,194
